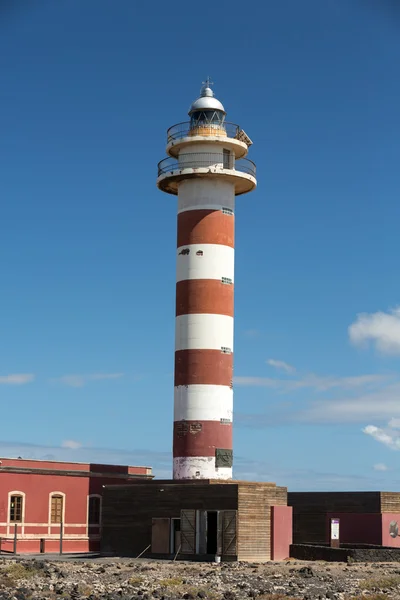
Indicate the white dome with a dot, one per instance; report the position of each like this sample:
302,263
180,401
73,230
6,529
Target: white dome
206,101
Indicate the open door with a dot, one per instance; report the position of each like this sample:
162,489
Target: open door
188,531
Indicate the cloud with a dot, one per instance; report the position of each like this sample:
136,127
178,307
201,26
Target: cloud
71,444
380,328
380,467
280,364
161,461
364,398
386,436
16,379
81,380
312,381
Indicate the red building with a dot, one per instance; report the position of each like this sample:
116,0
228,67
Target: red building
42,501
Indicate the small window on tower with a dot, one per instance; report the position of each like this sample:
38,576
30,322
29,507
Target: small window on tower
227,280
227,211
226,350
227,159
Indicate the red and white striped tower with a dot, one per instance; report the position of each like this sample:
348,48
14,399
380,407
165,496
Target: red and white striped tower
206,170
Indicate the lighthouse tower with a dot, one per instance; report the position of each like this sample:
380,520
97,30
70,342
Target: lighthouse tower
206,169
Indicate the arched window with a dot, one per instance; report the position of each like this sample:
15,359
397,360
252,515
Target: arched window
16,507
94,510
57,507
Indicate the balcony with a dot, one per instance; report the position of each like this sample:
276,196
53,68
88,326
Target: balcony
241,172
231,135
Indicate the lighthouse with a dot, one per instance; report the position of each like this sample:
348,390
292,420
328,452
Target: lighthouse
206,169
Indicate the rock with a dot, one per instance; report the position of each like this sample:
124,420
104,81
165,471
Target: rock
306,572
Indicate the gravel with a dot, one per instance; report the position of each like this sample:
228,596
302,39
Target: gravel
127,579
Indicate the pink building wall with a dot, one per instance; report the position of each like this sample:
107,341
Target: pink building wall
281,531
357,528
36,481
387,539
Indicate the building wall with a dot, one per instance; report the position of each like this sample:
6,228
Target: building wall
36,481
311,508
131,513
386,520
254,519
281,532
128,511
356,528
365,517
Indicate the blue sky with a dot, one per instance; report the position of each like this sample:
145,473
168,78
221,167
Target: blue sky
87,242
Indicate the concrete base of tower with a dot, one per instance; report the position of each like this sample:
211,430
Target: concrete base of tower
199,467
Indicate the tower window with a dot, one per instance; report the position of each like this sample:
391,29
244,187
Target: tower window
226,350
227,159
226,280
16,505
227,211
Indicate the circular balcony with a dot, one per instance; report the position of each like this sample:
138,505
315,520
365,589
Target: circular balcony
242,173
227,134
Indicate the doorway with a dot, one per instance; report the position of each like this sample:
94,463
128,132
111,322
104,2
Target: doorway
212,532
175,537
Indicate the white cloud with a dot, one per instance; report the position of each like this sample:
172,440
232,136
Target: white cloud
71,444
280,364
386,436
16,379
161,461
380,404
380,467
380,328
312,381
394,423
81,380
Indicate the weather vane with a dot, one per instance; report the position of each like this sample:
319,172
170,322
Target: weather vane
208,82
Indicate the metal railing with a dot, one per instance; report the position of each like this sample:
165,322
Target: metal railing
182,130
205,160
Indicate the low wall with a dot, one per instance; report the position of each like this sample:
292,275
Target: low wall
357,554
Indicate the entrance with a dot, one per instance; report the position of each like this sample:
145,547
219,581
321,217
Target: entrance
212,532
175,537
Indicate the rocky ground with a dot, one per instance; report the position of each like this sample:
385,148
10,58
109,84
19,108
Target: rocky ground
111,579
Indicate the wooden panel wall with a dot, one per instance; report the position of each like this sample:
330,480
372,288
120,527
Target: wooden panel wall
127,512
390,502
310,510
254,519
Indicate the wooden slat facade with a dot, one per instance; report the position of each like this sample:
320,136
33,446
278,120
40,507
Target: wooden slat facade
310,510
254,521
244,516
127,511
390,502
